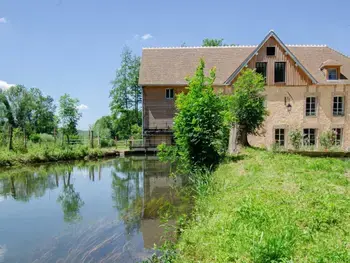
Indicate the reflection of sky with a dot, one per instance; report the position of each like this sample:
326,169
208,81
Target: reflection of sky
1,199
2,253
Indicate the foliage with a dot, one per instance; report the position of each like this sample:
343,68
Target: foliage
136,131
199,127
296,138
43,119
327,139
248,103
124,122
126,94
51,152
212,42
271,207
69,115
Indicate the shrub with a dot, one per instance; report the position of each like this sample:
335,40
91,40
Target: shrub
200,131
296,138
327,139
44,137
35,138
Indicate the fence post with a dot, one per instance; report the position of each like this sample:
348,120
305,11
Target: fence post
92,139
10,138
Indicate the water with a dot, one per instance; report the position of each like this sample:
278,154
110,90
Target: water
85,212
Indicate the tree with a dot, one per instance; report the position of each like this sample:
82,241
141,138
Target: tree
212,42
126,92
43,119
248,104
69,115
199,127
16,108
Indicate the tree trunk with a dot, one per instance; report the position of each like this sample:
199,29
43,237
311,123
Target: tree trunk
10,138
232,144
67,138
242,138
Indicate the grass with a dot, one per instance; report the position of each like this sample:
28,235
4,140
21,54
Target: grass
272,207
52,153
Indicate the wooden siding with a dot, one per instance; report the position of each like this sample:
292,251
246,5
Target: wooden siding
294,75
158,112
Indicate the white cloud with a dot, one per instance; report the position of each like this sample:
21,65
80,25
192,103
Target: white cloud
4,85
82,107
136,36
146,36
3,20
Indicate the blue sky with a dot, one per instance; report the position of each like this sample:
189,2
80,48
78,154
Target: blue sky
74,46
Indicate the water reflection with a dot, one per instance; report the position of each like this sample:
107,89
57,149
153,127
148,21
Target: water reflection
106,211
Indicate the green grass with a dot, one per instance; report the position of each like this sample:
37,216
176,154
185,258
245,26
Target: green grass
272,207
52,153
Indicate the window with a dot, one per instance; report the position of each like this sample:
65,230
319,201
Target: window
270,51
169,93
310,106
309,137
280,72
261,68
332,74
279,137
338,106
338,134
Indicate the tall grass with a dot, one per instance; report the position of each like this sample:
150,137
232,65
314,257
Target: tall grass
271,207
51,152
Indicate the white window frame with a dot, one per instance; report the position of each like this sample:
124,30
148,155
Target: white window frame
279,135
168,93
331,72
308,135
308,107
339,141
339,109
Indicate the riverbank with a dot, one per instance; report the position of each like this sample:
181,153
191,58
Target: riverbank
270,207
54,154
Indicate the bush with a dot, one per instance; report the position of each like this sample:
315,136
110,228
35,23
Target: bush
296,138
200,131
327,139
44,137
35,138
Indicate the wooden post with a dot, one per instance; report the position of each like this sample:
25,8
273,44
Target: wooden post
10,138
92,139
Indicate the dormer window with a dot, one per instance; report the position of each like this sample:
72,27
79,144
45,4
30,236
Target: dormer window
331,69
270,51
332,74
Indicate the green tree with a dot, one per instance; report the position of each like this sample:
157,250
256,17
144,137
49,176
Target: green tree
16,108
212,42
43,119
248,104
199,127
126,92
69,115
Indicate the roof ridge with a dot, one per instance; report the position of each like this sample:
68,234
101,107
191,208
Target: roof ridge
236,46
339,52
305,45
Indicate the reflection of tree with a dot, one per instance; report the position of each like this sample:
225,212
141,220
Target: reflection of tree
70,200
24,186
126,192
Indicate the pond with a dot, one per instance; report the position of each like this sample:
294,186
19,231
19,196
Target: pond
104,211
